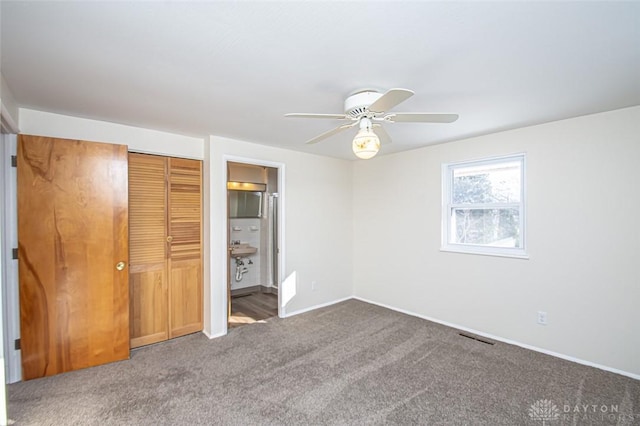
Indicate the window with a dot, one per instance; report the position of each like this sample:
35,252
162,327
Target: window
483,206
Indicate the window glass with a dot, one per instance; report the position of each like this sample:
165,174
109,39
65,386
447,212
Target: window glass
483,206
490,183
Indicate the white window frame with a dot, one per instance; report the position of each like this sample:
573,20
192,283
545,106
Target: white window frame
448,206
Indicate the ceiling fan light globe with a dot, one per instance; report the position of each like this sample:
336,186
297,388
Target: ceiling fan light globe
366,144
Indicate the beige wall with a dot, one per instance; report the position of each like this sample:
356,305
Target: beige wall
582,236
138,139
317,206
316,193
372,228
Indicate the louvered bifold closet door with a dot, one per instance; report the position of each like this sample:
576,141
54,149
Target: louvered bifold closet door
185,258
148,281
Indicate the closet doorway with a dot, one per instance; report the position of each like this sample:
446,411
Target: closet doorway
165,228
253,229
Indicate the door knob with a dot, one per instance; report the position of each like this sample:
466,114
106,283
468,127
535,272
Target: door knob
120,266
169,238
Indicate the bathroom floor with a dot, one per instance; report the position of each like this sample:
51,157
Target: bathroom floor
252,308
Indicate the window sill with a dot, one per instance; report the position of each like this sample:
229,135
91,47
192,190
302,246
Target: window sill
484,252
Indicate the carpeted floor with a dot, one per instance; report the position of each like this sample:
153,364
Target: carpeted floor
348,364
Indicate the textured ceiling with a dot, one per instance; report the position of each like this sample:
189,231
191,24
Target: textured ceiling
235,68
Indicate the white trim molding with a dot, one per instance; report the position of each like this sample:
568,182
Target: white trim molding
8,123
227,158
322,305
449,205
507,341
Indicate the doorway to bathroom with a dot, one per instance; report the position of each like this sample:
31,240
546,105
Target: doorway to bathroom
253,230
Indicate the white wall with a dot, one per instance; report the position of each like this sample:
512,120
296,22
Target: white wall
583,241
8,106
249,232
372,228
317,245
317,220
138,139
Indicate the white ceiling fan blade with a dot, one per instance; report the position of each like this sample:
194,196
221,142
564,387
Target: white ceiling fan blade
382,134
390,99
305,115
330,133
420,117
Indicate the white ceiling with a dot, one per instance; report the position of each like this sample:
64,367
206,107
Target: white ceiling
234,68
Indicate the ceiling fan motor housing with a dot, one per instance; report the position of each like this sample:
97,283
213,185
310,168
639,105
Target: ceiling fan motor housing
357,104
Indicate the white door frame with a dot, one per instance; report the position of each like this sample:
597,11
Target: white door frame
10,292
10,365
281,227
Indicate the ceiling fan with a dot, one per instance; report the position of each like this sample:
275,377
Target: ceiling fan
368,108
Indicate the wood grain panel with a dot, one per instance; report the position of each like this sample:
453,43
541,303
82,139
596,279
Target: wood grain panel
248,309
149,290
73,230
185,219
166,276
149,298
185,227
186,297
147,207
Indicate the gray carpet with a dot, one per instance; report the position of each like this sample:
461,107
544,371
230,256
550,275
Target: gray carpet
347,364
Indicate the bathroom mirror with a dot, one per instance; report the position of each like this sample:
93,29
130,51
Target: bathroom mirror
245,204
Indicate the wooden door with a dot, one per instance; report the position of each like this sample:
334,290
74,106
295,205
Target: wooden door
165,205
148,249
185,258
72,234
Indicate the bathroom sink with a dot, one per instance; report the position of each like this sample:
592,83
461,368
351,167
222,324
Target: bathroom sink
241,250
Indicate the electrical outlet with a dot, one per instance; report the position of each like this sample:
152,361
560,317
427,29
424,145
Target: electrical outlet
542,318
314,285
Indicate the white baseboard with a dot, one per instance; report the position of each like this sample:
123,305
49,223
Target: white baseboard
311,308
503,340
288,314
213,336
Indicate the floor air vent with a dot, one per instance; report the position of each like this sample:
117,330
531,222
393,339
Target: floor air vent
479,339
